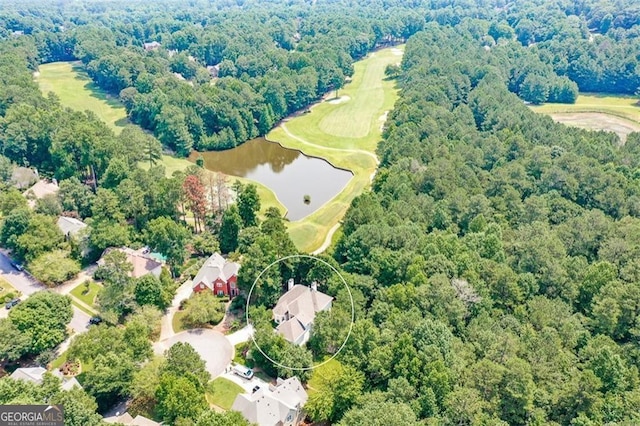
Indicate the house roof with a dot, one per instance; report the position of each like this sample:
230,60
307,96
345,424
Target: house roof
271,406
33,375
127,419
70,225
216,267
290,329
143,263
40,189
302,299
69,384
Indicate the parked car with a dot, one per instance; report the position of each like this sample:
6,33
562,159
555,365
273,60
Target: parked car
255,389
95,320
242,371
18,266
13,302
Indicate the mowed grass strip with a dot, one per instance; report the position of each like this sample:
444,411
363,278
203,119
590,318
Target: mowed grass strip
87,297
222,392
76,90
621,106
334,131
356,122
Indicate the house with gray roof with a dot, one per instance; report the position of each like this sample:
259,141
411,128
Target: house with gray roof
142,260
296,310
279,405
217,275
128,419
33,374
36,375
70,226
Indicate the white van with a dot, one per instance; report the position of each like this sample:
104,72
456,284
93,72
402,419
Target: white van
242,371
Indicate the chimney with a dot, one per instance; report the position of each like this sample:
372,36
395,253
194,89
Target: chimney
314,286
290,284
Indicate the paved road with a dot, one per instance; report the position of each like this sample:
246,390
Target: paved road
19,280
183,292
212,346
27,285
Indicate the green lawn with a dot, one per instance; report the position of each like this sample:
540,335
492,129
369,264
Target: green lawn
7,290
346,134
177,323
222,392
88,297
57,363
76,90
621,106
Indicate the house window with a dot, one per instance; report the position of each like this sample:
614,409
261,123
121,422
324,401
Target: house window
202,286
220,293
219,284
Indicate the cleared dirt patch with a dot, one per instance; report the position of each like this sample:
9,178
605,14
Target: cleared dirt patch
598,121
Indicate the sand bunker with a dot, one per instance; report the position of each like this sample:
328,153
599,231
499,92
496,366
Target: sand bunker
383,120
396,51
339,100
598,121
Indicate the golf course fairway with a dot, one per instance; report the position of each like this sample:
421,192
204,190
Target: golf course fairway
345,131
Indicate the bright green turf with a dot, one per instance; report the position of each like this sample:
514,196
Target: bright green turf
72,85
89,297
621,106
222,392
345,134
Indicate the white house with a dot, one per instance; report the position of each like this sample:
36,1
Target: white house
296,310
279,405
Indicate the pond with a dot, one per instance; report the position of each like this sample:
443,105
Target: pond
290,174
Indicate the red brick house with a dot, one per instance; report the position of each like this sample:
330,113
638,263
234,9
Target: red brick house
218,276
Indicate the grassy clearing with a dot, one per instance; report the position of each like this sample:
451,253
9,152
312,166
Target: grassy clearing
222,392
76,90
57,363
87,297
346,134
593,111
177,322
620,106
7,291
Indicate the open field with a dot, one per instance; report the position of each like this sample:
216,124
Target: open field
346,134
598,121
76,90
619,114
222,392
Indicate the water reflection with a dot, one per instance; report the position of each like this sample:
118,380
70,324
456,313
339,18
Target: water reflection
290,174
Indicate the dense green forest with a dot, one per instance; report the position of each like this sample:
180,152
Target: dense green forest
493,264
266,65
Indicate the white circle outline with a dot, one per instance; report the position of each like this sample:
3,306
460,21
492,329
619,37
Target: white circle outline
353,312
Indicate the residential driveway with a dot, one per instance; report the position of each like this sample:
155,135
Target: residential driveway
212,346
183,292
241,336
80,321
19,280
245,384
